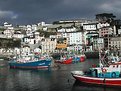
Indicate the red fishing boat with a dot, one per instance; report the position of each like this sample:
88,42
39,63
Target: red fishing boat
82,58
67,61
108,75
96,80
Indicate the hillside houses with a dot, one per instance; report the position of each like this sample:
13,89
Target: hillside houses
69,35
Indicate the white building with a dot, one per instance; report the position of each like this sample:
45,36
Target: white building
18,35
29,40
101,25
48,45
98,43
17,51
74,38
37,37
28,30
105,31
3,36
9,32
119,31
53,36
90,26
22,27
34,28
67,29
115,42
75,48
6,25
25,50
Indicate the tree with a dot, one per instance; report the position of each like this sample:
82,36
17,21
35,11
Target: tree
105,17
46,33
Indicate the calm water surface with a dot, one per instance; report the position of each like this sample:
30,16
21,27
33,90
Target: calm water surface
47,80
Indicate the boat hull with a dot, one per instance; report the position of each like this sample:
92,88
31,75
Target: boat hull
98,81
82,58
31,65
68,61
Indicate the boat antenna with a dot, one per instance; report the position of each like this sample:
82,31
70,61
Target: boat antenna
100,59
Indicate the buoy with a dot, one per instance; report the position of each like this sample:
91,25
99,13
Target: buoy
104,70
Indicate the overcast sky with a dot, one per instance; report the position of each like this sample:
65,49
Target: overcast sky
34,11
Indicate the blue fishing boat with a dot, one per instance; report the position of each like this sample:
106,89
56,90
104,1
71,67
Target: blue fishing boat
79,58
30,62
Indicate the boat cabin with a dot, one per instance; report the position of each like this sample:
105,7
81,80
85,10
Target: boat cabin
112,71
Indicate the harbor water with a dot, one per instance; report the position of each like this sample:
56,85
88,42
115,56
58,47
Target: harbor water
59,79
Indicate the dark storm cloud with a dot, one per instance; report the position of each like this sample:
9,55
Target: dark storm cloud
33,11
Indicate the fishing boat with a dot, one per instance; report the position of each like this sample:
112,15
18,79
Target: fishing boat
79,58
104,74
71,58
30,61
66,60
82,58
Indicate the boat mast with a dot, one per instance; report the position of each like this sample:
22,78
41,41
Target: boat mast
100,57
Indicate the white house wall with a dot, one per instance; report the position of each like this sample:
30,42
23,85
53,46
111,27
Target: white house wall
48,46
90,27
18,36
67,29
75,38
100,25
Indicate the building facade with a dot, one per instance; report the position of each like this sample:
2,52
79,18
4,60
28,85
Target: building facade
48,45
